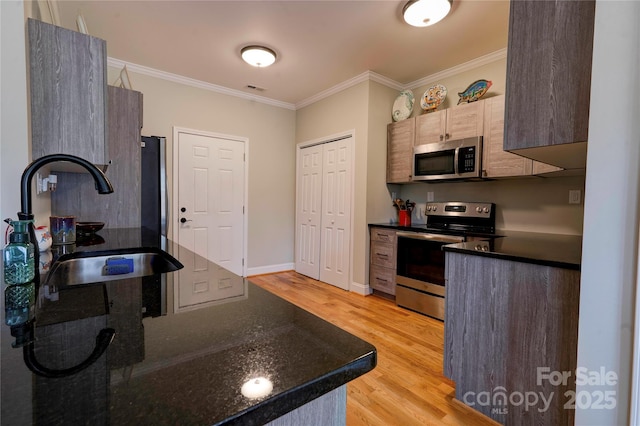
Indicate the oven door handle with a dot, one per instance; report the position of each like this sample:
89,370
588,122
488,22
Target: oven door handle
430,237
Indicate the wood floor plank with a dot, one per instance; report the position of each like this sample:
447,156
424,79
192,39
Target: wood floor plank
407,386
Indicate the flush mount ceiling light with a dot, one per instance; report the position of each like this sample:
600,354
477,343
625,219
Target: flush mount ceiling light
422,13
258,56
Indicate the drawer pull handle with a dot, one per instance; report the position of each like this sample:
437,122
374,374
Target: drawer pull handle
382,255
381,280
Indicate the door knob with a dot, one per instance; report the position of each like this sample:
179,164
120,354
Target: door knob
184,220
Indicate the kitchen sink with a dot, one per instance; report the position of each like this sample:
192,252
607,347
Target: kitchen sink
93,267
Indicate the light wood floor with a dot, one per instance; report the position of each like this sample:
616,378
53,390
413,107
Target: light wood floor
407,386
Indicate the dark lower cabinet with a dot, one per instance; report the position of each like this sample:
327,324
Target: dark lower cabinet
505,320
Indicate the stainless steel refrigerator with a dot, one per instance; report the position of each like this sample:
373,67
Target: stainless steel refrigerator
153,218
154,184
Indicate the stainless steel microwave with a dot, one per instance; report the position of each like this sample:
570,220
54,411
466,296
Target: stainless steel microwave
454,159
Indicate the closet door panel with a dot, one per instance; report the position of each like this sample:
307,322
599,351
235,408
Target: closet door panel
336,213
308,214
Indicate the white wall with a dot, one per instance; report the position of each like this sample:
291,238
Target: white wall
609,257
14,156
14,152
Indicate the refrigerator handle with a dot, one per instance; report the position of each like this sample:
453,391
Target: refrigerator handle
164,196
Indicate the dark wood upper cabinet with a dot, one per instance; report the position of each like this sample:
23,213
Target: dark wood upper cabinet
68,92
76,192
549,80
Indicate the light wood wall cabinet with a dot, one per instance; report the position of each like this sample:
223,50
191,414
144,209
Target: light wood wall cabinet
504,320
549,79
496,162
67,74
458,122
400,139
382,266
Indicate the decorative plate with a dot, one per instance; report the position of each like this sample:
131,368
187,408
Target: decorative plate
474,91
433,97
403,106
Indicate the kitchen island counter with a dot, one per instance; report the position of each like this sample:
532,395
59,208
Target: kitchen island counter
183,362
557,250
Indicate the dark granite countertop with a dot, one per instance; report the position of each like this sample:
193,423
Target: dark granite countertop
180,355
562,251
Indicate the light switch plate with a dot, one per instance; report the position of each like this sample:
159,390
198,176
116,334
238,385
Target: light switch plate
575,196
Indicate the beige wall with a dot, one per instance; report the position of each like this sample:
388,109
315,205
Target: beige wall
530,204
496,72
271,159
342,112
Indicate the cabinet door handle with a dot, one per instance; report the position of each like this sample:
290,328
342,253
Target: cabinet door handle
441,137
447,136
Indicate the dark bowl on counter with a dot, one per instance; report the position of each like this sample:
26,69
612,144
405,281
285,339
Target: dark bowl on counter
88,228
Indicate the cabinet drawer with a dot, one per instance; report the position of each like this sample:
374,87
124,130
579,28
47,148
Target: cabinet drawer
383,235
382,279
383,254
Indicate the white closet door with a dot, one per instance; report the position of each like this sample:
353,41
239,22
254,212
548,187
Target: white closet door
308,200
336,213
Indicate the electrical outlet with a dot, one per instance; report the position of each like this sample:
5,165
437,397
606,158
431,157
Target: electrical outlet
574,196
430,196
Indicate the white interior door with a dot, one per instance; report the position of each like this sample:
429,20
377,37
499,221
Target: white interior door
336,213
323,212
308,200
210,208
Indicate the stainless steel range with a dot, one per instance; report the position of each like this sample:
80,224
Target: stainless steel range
421,261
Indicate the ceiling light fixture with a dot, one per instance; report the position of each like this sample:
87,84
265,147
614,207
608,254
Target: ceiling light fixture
258,56
422,13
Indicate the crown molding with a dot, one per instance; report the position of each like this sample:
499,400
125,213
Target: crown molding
466,66
365,76
152,72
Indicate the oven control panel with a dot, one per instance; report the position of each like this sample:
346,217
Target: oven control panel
461,209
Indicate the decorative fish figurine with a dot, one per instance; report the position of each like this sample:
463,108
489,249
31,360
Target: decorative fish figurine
474,91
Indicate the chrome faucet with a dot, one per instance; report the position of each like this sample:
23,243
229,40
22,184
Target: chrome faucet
103,186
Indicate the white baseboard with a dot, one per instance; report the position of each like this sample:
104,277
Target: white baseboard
362,289
270,269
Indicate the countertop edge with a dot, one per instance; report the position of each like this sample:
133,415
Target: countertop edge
273,408
455,248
